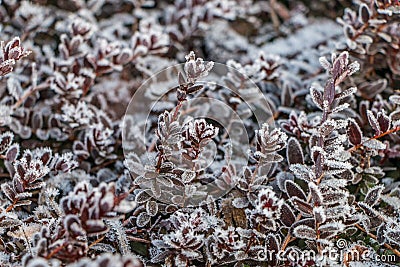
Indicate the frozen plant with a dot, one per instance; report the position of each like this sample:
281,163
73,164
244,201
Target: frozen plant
318,172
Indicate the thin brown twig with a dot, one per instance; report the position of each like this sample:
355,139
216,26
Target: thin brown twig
29,92
288,238
97,241
396,129
395,251
9,208
274,16
98,167
56,250
137,239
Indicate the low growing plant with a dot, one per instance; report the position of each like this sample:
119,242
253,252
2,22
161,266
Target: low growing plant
199,133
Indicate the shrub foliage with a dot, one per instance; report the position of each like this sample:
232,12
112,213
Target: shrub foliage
326,173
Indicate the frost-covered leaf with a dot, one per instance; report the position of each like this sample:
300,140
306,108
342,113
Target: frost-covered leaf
384,121
240,203
8,191
272,244
395,118
12,153
188,176
325,63
368,209
134,164
393,236
301,205
294,152
151,208
354,132
374,195
374,144
345,93
319,214
125,206
286,215
304,232
316,194
281,178
349,32
327,127
373,122
316,97
302,171
310,222
338,164
340,108
142,219
334,197
332,227
24,195
292,189
24,202
364,39
329,92
364,13
195,68
103,247
9,223
5,141
395,99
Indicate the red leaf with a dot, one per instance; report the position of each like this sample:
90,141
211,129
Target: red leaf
354,132
294,153
287,216
293,190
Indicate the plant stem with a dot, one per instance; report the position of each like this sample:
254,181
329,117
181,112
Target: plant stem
9,208
395,251
396,129
56,250
288,237
274,16
320,174
98,167
137,239
29,92
97,241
